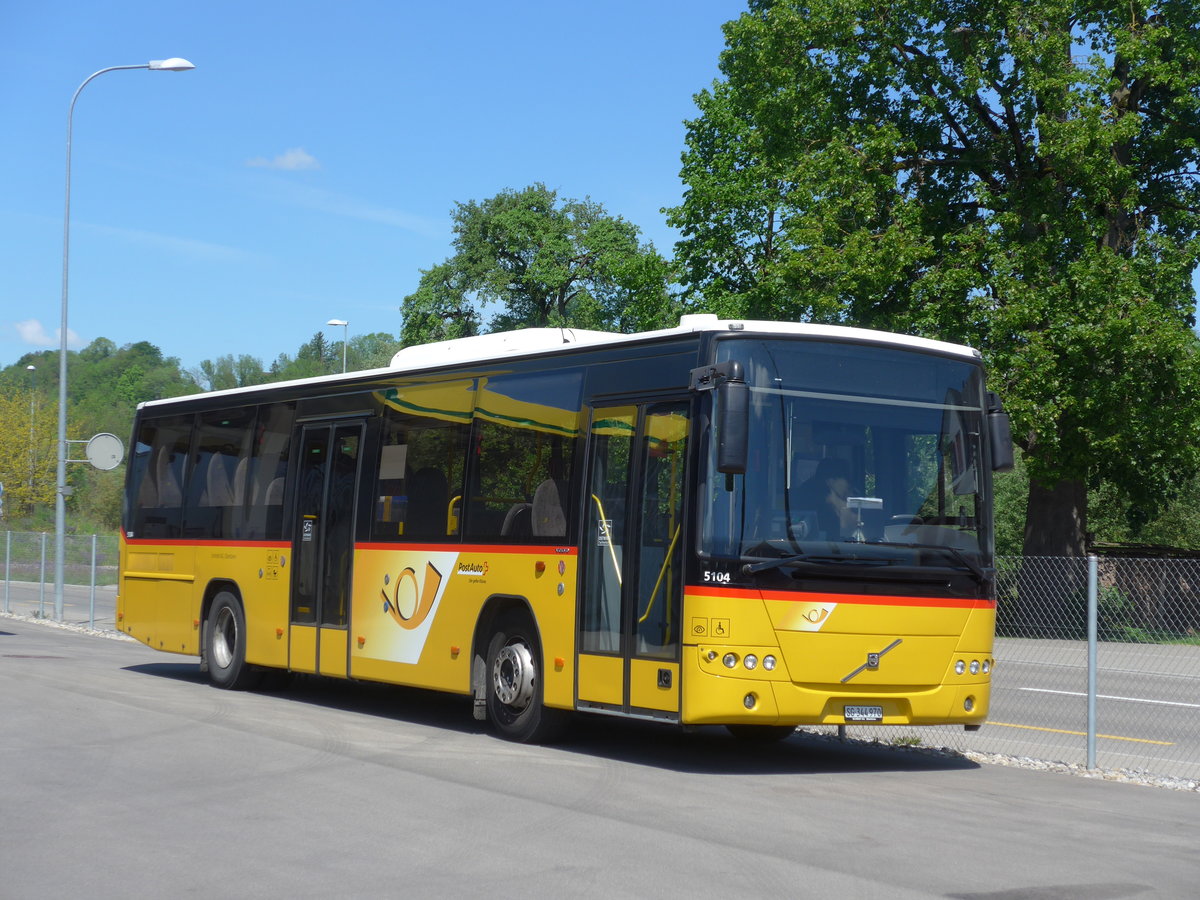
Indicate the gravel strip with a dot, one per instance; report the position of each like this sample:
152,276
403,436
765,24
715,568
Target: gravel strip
1126,776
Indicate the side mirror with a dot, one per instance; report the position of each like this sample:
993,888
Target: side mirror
731,414
999,431
732,422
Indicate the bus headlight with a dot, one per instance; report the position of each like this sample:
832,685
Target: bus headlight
959,667
987,666
751,661
974,667
769,663
730,660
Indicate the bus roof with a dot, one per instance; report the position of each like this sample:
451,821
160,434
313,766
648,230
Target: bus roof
534,341
526,342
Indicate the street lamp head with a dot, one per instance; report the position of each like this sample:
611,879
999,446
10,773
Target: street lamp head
338,322
174,64
30,368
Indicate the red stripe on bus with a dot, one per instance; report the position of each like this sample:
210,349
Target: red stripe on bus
469,548
182,542
859,599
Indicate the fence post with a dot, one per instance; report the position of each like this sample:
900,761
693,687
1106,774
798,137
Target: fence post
1093,604
92,606
42,582
7,567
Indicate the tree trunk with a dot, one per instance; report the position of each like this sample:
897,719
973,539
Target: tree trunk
1056,519
1051,584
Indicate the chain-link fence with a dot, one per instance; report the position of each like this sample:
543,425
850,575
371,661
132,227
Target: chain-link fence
1128,700
89,569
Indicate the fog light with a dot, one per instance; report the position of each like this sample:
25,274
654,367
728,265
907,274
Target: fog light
960,667
730,660
974,667
769,663
750,701
712,654
969,704
751,661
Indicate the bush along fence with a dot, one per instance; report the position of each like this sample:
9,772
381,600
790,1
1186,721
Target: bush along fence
1097,659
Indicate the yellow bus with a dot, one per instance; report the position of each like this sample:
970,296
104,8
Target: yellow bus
751,524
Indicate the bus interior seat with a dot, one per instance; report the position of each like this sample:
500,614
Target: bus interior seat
549,517
274,493
241,480
169,493
518,521
218,487
148,490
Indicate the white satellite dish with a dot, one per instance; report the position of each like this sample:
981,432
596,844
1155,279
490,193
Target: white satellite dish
105,451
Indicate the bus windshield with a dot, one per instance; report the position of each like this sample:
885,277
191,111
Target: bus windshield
858,454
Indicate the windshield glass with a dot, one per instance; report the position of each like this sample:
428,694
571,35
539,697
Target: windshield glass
856,453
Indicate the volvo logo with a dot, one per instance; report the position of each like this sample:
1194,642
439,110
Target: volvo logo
872,662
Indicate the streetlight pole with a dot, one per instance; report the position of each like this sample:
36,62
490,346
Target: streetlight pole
345,334
174,64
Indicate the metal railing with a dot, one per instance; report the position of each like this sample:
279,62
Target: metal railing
1097,659
89,565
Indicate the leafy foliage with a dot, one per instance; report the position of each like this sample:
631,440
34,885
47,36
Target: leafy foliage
537,261
1019,175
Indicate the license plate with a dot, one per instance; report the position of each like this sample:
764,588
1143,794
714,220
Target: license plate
864,713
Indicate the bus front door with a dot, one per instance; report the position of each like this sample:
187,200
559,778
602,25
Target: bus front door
632,547
323,549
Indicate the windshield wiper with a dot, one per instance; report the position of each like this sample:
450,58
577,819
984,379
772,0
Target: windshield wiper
977,571
805,559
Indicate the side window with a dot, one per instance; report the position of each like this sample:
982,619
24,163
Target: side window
261,481
418,490
216,495
156,488
523,446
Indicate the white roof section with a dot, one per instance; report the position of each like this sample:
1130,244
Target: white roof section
530,341
541,341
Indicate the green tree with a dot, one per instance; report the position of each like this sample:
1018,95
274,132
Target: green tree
226,372
28,456
1020,175
372,351
535,260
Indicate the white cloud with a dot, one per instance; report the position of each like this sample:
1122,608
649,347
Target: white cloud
296,159
34,333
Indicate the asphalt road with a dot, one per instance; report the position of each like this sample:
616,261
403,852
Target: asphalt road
1148,712
123,774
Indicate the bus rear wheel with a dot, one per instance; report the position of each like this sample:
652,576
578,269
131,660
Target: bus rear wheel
225,645
514,685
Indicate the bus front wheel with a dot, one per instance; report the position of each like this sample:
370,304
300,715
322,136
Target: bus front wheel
225,645
514,685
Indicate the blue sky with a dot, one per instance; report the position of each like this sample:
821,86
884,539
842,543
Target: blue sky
305,170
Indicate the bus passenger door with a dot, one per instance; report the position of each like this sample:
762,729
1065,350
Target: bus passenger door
632,547
323,548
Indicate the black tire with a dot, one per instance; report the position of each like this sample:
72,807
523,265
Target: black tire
761,734
514,685
225,645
